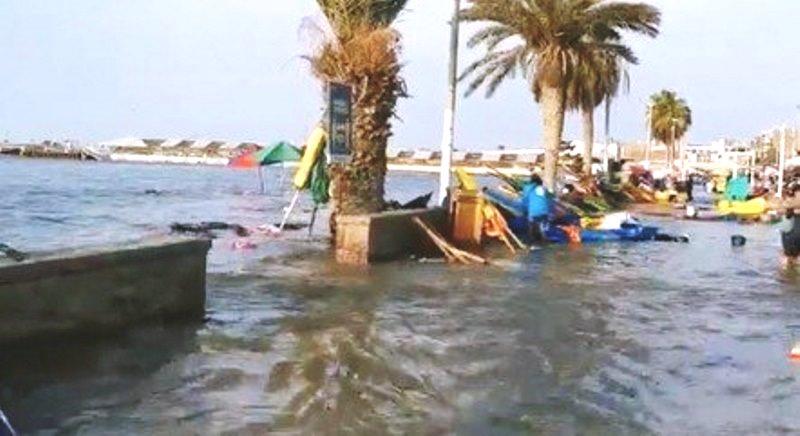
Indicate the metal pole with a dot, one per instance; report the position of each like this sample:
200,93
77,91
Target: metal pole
781,161
683,158
608,134
448,132
796,147
649,144
261,189
289,210
672,152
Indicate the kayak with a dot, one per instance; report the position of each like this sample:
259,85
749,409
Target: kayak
754,207
506,201
665,197
314,146
630,231
627,233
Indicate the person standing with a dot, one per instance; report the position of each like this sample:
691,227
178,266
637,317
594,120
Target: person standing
537,206
790,237
689,184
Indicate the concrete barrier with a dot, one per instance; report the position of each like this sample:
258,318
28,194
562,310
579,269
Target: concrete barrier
365,239
103,288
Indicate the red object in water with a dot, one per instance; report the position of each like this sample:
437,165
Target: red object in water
243,244
573,234
247,160
795,353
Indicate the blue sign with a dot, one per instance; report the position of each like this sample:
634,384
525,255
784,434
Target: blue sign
340,115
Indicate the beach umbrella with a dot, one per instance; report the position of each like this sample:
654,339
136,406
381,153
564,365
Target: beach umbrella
277,153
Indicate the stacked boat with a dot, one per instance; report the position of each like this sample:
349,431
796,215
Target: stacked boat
569,227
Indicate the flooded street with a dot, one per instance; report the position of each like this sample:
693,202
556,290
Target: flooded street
601,339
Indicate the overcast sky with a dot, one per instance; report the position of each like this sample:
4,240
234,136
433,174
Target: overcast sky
100,69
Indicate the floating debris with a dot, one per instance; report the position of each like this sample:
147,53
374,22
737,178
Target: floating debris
12,254
207,228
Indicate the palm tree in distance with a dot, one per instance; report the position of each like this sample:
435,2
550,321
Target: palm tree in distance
545,41
597,79
670,119
362,50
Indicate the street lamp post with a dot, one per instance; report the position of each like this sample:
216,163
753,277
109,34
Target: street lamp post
607,138
649,131
781,161
672,149
797,131
448,133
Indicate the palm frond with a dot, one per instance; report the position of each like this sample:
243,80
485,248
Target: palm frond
639,17
562,39
344,16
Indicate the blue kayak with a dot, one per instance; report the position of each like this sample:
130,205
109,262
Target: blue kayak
629,233
632,232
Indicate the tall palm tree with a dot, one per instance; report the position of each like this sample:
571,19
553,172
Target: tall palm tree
597,79
670,119
545,40
362,50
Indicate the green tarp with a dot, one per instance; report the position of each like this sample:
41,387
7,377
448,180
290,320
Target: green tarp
320,182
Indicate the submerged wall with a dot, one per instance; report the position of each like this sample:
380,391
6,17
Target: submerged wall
103,288
365,239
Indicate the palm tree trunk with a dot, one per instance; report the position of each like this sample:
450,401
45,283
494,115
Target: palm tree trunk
674,154
360,185
671,156
552,103
588,139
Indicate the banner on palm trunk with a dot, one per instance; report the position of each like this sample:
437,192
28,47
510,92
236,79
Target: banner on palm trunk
340,113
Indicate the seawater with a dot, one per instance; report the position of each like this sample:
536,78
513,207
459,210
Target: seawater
601,339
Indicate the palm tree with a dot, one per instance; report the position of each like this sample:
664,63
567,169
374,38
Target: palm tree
362,50
670,119
544,40
598,78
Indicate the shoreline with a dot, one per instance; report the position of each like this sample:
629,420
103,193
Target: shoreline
221,162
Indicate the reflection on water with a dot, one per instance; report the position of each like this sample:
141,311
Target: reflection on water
606,339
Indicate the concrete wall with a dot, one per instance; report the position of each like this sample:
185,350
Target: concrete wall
103,288
364,239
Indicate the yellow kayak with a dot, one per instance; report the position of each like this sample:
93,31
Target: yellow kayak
754,207
314,146
664,196
466,181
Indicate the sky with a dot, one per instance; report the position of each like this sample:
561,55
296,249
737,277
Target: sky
94,70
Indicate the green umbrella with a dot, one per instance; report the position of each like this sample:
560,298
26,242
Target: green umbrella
278,153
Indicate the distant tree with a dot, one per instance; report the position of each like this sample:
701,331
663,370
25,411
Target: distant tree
597,78
670,120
